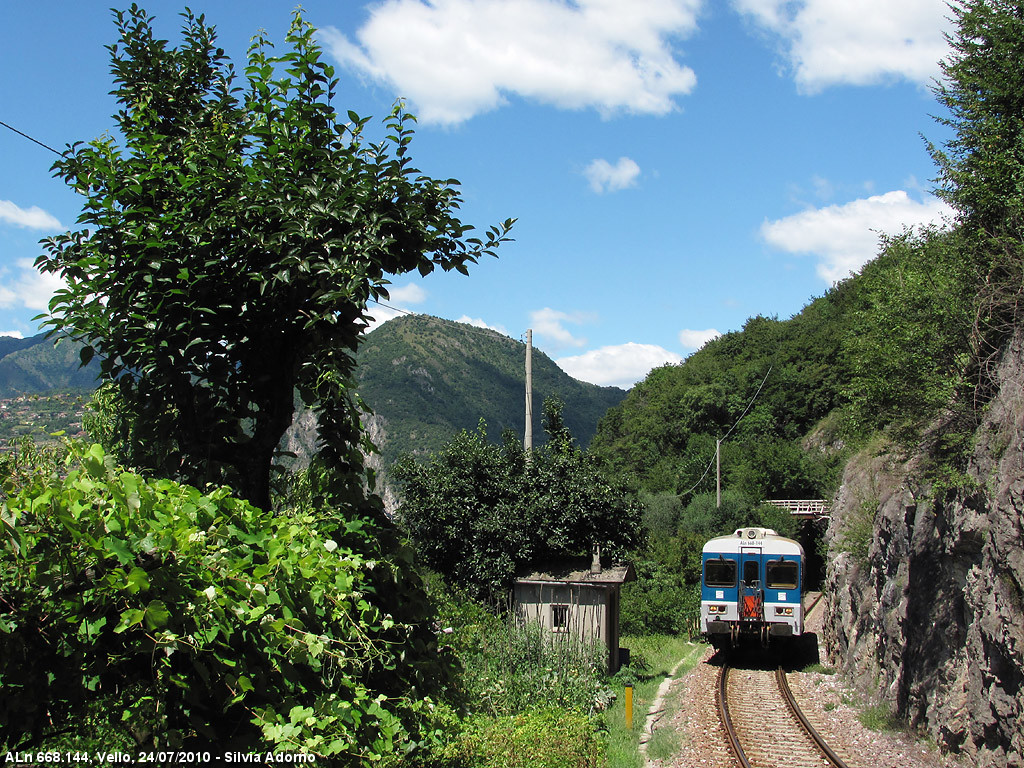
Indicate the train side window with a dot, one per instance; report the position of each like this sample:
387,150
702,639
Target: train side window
720,573
751,571
782,574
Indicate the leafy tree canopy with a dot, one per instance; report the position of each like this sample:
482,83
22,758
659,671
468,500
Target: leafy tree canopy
981,168
478,512
232,236
983,89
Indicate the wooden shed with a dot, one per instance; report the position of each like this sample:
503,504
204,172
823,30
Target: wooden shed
578,598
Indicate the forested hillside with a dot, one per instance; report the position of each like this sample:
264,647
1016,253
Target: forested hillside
880,348
37,366
427,379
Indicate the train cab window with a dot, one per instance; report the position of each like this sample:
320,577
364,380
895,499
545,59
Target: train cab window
782,574
720,573
751,571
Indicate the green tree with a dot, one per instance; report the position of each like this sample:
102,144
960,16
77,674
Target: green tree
231,240
981,168
478,512
910,329
465,510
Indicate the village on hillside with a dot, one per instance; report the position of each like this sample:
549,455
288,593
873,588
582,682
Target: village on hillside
43,417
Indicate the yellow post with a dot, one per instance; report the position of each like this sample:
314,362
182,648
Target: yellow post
629,707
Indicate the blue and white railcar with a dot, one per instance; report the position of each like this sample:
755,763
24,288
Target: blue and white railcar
751,586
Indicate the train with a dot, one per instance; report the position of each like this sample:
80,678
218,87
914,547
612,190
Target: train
751,588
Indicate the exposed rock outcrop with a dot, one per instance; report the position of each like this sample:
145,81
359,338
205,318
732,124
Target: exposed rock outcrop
926,606
301,440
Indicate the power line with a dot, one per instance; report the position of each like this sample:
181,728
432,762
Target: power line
37,141
488,332
736,424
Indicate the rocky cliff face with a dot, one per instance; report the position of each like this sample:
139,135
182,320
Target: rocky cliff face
301,440
926,588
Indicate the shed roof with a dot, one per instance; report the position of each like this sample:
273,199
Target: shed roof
577,571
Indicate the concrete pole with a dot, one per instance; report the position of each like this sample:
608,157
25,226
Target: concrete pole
528,436
718,474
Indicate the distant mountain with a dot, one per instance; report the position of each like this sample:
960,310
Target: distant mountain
36,366
424,379
428,378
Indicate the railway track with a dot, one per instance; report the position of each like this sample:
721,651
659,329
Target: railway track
764,724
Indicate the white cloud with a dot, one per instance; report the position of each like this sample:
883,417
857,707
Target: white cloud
13,334
856,42
622,365
454,59
605,177
28,288
378,315
411,293
479,323
845,237
694,339
31,218
549,324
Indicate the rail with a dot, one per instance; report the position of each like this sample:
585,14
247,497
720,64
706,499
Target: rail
783,688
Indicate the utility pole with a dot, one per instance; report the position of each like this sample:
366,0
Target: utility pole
718,474
528,437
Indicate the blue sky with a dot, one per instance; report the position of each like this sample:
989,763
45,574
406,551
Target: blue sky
675,166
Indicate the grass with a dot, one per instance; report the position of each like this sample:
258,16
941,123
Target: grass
879,717
652,659
820,669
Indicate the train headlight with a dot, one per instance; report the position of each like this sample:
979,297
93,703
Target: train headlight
716,609
780,611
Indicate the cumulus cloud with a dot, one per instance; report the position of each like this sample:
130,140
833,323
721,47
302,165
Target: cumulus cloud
30,218
694,339
13,334
855,42
605,177
479,323
454,59
845,237
622,365
411,293
28,287
550,325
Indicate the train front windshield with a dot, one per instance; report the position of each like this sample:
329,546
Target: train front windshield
782,574
720,573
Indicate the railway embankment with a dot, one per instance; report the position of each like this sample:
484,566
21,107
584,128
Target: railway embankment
925,603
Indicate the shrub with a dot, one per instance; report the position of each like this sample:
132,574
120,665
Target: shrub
516,668
547,738
652,607
198,619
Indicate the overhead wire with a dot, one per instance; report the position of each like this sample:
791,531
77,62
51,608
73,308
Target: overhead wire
489,332
731,429
30,138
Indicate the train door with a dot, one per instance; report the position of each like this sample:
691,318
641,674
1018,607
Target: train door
751,585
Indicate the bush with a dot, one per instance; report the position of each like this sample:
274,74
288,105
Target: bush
516,668
197,619
547,738
652,607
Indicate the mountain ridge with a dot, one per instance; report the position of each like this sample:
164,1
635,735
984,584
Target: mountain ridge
423,378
